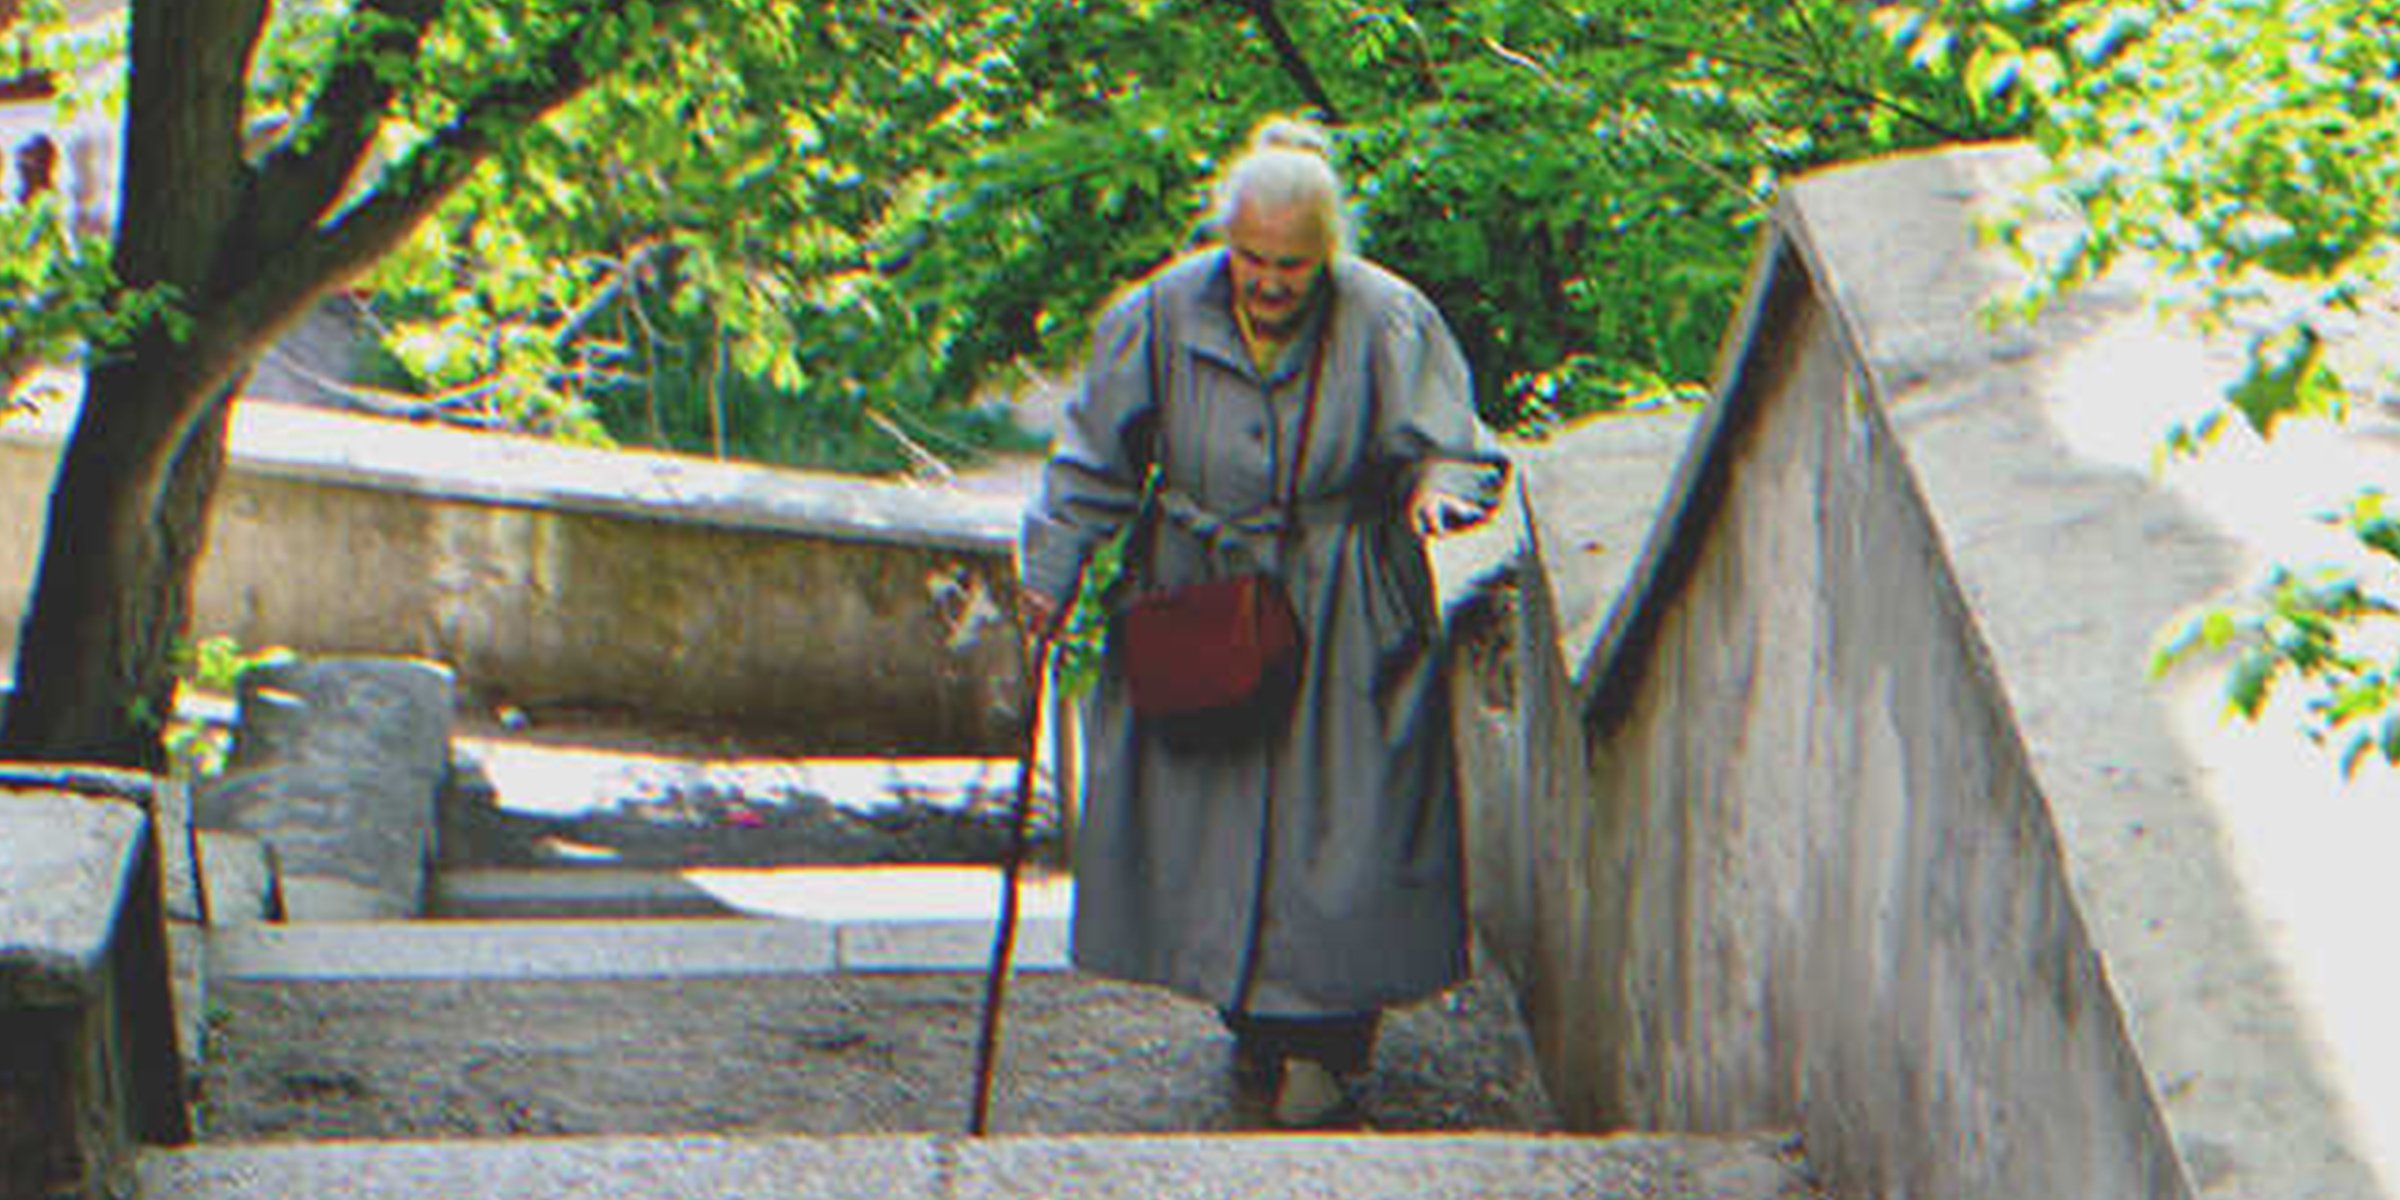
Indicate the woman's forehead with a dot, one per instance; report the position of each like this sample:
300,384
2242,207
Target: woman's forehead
1290,231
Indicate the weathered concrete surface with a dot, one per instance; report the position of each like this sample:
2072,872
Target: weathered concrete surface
551,949
678,1168
336,766
551,576
88,1066
66,863
1743,891
1434,1168
2236,886
726,1045
809,920
238,876
1779,855
1484,1167
1598,488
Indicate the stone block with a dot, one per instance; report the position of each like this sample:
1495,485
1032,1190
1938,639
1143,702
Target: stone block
238,878
88,1069
337,764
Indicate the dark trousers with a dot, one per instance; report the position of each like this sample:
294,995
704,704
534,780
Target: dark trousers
1344,1043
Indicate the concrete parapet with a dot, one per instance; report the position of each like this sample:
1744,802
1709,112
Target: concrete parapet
1776,852
88,1068
692,592
2228,876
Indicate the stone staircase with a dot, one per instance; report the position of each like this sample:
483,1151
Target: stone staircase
806,1031
945,1167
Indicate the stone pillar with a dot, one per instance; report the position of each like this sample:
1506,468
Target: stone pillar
337,764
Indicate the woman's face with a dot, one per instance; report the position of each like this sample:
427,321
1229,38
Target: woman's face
1275,255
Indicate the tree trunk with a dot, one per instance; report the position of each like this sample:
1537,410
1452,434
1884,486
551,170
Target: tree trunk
112,600
241,250
112,596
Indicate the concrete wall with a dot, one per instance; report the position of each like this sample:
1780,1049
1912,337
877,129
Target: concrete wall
1779,857
2233,879
822,613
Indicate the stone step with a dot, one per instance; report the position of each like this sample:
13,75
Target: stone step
894,895
526,803
827,1053
527,893
564,780
951,1167
806,922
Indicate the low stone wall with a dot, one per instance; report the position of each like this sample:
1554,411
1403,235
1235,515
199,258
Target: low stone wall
1778,856
89,1068
820,612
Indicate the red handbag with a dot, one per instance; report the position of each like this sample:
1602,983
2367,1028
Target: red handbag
1220,659
1207,651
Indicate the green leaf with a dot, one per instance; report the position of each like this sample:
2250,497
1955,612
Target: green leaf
2380,534
1990,76
2246,686
2286,374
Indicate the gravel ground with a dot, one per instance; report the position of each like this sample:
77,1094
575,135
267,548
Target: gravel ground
806,1054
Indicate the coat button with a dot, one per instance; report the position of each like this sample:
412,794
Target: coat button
1257,432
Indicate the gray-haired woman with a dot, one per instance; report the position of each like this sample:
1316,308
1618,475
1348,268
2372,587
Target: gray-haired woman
1303,879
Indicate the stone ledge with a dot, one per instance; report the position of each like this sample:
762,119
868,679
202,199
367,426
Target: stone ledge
338,950
344,450
65,861
950,1167
88,1062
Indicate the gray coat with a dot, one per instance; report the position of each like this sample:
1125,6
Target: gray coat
1319,870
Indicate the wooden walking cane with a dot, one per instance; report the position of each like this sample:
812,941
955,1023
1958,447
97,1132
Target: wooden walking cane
995,984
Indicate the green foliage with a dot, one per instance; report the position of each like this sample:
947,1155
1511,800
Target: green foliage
1082,639
787,230
218,663
196,748
819,223
58,298
1993,61
2322,628
2247,154
57,295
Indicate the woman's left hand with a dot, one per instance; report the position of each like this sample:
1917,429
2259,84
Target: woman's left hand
1433,513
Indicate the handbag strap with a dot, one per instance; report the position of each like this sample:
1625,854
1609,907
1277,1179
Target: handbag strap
1308,421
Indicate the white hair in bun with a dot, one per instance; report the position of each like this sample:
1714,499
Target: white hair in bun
1287,164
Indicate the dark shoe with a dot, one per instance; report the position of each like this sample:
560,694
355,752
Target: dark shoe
1257,1071
1311,1097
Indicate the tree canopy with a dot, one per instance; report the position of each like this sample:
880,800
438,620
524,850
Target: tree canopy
771,244
768,227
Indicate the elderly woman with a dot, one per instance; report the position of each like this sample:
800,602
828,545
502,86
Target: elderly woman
1303,878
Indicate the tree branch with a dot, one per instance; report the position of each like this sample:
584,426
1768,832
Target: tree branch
1625,35
306,173
1287,53
265,302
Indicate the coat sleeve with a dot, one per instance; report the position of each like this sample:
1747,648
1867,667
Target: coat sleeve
1427,423
1092,481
